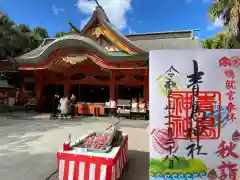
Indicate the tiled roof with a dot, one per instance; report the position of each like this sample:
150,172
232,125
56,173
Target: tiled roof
181,43
42,52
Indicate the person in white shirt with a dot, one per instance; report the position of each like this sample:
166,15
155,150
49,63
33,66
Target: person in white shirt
112,108
64,106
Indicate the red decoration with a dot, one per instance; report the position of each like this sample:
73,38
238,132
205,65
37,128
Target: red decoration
225,62
231,107
230,95
232,171
225,150
230,73
180,108
79,165
235,62
66,146
206,101
54,54
231,84
162,143
236,136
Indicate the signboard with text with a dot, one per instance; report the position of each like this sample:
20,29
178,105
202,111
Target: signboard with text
194,114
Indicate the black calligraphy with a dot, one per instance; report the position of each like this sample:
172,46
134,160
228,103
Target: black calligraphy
169,85
194,80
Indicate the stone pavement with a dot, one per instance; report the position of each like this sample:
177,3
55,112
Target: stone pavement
28,144
138,143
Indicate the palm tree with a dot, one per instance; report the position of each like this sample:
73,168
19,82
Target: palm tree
207,43
220,41
229,12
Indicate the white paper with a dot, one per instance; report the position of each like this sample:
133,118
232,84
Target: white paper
214,79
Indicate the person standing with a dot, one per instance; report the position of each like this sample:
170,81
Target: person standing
64,106
55,106
72,105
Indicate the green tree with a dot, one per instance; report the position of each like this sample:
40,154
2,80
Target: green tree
208,43
41,31
229,12
23,28
16,39
221,41
12,40
4,20
60,34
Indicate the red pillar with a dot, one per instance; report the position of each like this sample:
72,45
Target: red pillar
112,85
66,89
38,87
146,87
67,85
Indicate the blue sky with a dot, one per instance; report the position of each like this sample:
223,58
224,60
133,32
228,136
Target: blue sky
128,16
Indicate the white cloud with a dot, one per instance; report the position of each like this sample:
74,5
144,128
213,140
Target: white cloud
115,9
130,31
56,10
218,23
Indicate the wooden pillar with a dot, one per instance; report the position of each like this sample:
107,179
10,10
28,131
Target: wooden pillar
112,85
67,85
66,89
38,87
146,86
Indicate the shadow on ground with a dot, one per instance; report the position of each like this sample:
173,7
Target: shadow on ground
17,135
137,167
28,147
30,169
23,141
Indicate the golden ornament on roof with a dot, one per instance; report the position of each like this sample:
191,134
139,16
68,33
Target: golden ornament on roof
97,32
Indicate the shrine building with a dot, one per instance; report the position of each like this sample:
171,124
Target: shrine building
96,63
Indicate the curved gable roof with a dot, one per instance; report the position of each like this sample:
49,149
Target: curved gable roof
100,16
42,53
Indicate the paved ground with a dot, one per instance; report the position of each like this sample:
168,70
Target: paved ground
28,144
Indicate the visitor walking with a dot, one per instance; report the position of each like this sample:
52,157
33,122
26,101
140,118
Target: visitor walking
56,102
72,105
64,106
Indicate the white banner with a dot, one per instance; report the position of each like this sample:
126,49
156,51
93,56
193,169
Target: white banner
194,114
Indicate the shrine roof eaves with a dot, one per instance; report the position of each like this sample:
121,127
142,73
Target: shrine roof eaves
43,52
99,15
163,44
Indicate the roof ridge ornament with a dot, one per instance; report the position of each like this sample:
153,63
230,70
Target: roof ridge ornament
101,12
73,28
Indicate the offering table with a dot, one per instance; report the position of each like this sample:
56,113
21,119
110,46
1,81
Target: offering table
80,165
